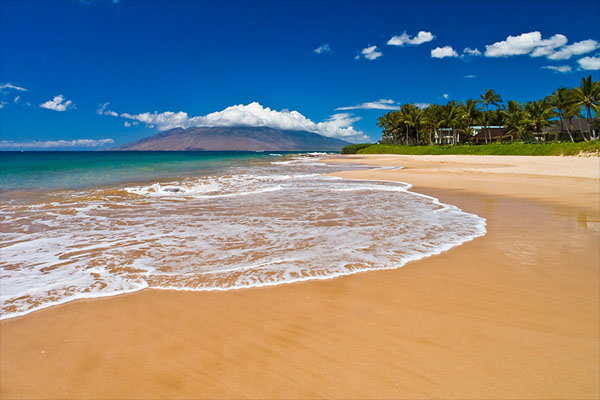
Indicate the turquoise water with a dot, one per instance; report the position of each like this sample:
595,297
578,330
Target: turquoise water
72,170
77,225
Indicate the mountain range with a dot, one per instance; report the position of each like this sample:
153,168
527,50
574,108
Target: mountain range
241,138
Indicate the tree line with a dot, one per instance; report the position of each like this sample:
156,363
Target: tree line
411,125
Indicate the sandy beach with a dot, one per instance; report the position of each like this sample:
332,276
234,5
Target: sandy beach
514,314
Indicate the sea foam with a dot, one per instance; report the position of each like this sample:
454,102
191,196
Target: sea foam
250,226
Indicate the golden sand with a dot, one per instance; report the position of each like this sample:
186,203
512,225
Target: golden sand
514,314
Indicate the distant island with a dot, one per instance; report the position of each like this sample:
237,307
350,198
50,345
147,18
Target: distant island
241,138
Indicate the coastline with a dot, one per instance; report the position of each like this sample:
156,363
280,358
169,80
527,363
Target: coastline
513,314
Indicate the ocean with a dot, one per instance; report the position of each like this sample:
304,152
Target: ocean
91,224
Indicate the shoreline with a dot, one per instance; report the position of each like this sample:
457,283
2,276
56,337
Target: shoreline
441,327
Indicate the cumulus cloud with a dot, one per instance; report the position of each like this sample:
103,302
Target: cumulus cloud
445,95
558,68
5,86
532,43
470,76
420,38
442,52
525,43
381,104
58,103
422,105
253,114
324,48
103,110
55,143
589,63
371,53
575,49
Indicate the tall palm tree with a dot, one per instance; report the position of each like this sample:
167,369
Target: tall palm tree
451,118
391,123
431,119
571,111
490,97
414,120
588,96
515,119
561,99
539,114
470,113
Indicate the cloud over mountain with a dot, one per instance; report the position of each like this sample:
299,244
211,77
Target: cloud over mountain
253,114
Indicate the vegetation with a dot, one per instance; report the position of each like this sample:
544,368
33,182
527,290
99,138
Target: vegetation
509,149
472,121
353,148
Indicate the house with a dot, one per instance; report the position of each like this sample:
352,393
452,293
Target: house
497,133
576,125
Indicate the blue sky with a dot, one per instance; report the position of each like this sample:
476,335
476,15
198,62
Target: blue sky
160,64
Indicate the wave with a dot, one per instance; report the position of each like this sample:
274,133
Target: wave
253,226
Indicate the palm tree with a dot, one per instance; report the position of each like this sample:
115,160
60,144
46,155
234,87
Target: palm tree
391,123
571,111
431,118
414,119
515,119
588,96
539,114
470,113
561,99
490,97
451,117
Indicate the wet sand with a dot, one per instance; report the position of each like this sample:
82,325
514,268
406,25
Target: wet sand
514,314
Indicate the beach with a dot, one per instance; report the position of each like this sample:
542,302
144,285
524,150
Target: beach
511,314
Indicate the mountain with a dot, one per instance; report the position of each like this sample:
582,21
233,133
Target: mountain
234,138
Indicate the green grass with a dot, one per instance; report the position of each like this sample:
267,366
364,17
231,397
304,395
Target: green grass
353,148
512,149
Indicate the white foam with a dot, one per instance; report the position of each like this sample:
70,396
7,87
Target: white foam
254,227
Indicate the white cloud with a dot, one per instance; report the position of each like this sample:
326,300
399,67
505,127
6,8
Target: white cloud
254,114
58,103
103,110
2,104
371,53
381,104
470,76
422,105
56,143
525,43
441,52
13,87
401,40
340,126
590,63
324,48
575,49
558,68
445,95
532,43
16,99
471,52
